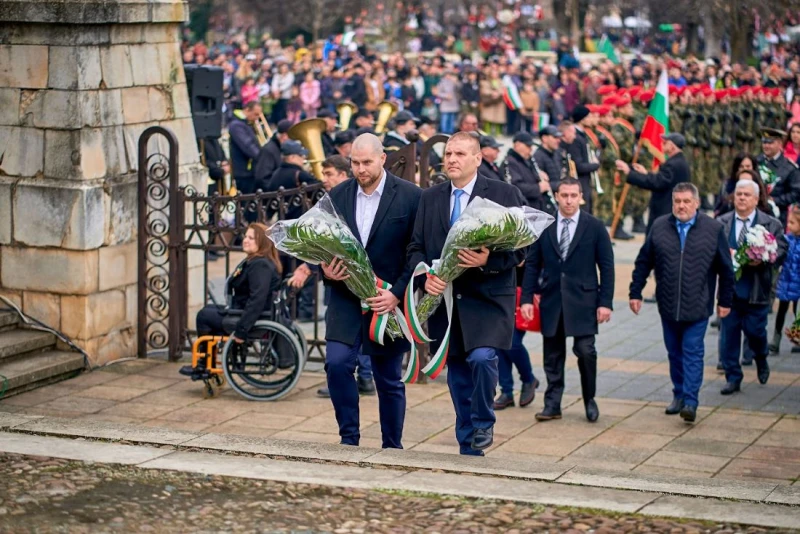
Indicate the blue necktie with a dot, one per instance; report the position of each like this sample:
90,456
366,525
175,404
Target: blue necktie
456,213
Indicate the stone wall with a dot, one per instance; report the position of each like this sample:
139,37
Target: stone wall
79,82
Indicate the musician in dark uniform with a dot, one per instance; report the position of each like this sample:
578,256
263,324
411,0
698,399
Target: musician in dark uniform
575,145
362,120
343,141
332,121
547,158
490,150
780,174
395,138
518,170
218,166
269,157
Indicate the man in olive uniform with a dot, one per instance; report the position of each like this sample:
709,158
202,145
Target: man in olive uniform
718,132
608,172
703,136
780,174
637,199
745,136
625,136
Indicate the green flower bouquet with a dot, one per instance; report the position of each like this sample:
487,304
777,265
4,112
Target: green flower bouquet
319,236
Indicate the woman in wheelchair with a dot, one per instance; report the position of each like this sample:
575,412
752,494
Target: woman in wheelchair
249,293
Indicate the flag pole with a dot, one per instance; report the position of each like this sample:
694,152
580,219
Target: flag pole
624,195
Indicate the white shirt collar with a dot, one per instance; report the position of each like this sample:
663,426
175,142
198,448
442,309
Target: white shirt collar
467,188
574,218
379,190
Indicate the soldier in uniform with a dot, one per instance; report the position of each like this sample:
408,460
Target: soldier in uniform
780,174
637,199
609,178
718,135
745,135
703,137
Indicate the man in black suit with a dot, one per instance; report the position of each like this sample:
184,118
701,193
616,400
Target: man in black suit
576,146
380,210
786,188
490,150
561,270
484,296
673,171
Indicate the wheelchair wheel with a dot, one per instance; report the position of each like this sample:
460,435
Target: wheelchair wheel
267,365
295,328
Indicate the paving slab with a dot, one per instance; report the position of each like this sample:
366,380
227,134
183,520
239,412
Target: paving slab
280,470
9,420
280,447
86,451
526,491
770,515
704,487
470,464
785,495
104,430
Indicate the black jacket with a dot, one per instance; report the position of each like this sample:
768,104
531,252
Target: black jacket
571,286
484,299
290,176
519,172
490,170
549,163
386,248
328,147
392,141
685,281
786,190
356,90
244,148
759,278
251,287
578,150
214,156
672,172
269,159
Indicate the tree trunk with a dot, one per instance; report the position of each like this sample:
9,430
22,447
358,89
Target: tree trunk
560,15
575,19
739,21
711,33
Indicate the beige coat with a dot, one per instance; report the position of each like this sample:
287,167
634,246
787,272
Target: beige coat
493,109
530,103
374,97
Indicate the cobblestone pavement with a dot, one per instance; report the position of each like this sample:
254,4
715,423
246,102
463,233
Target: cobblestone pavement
46,495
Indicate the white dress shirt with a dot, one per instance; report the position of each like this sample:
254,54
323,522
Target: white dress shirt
572,225
464,200
367,207
738,228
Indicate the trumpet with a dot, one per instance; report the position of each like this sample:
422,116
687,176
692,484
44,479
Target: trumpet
346,110
263,131
386,110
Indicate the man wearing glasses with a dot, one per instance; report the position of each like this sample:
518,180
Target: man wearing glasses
780,175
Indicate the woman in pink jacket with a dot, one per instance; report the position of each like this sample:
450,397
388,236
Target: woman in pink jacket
310,95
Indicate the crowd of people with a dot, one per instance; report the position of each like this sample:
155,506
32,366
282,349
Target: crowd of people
571,164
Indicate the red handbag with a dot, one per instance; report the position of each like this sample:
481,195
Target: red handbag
535,324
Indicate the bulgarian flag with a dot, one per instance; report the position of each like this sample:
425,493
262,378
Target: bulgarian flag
511,94
657,122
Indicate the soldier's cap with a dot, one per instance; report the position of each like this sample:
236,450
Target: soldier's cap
342,138
325,113
622,91
678,139
403,117
592,108
579,113
604,90
293,148
603,110
635,90
719,94
610,101
487,141
523,137
284,125
550,130
772,134
623,101
363,113
647,96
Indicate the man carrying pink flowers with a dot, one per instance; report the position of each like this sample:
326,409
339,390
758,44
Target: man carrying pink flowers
757,246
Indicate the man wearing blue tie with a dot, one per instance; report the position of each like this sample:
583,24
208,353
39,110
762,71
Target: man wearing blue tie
483,297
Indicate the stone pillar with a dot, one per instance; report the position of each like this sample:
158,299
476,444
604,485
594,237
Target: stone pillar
79,81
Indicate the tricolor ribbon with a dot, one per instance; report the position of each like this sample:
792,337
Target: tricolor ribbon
414,326
377,331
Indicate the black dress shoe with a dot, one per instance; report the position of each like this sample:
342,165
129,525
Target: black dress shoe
775,344
503,401
731,388
325,393
639,226
714,322
548,414
762,370
622,235
482,438
689,414
528,393
675,407
366,387
720,367
592,411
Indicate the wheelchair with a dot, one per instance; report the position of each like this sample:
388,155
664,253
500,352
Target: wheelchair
265,367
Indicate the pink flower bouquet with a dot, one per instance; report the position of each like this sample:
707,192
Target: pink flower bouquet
759,246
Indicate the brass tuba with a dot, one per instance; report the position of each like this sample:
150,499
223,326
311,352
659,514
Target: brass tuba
346,110
309,132
386,110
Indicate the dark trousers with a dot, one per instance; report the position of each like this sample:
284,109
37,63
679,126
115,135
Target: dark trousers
472,379
517,356
246,185
685,349
555,356
209,320
340,364
780,317
586,186
747,319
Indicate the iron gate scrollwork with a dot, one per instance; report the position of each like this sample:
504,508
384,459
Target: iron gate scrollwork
158,267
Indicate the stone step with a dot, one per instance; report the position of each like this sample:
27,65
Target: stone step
26,372
16,342
8,320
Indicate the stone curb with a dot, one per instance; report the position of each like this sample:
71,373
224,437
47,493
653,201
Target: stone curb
736,490
375,478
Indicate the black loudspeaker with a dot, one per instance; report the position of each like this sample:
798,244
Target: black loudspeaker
205,99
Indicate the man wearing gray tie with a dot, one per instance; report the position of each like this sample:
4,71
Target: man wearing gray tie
561,271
